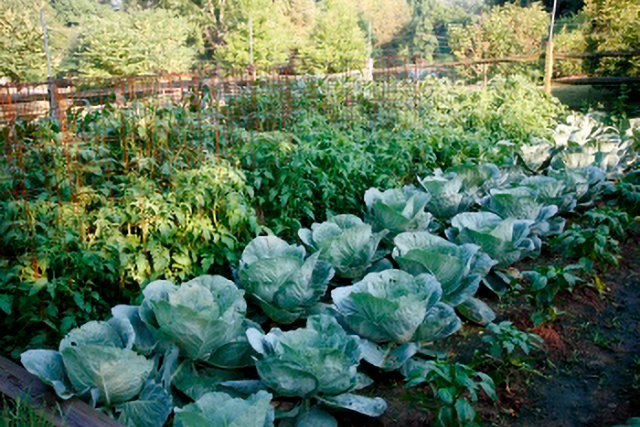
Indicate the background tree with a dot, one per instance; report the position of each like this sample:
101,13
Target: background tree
613,25
22,55
503,31
144,42
337,42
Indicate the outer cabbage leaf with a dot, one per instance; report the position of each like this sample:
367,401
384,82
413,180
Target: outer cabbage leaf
112,375
459,269
346,242
523,203
277,275
218,409
151,409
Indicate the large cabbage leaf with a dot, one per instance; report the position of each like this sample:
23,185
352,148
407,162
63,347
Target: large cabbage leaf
94,360
318,359
218,409
346,242
286,285
523,203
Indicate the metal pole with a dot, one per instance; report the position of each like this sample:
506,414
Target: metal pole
52,98
548,59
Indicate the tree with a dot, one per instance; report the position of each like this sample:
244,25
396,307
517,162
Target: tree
508,30
337,43
22,54
145,42
273,35
613,25
386,17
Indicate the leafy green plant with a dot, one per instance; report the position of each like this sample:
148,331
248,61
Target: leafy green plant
452,388
459,269
219,409
318,362
395,308
509,343
97,360
544,283
594,244
398,210
346,242
286,285
204,317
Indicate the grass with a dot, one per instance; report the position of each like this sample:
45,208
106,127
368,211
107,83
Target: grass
18,413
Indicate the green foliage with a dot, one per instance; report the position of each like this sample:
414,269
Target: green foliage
273,35
452,388
22,54
18,413
494,36
509,343
615,28
594,240
542,285
126,43
336,42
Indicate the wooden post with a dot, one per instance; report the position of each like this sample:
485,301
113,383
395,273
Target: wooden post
548,58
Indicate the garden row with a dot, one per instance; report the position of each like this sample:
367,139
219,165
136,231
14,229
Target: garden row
377,290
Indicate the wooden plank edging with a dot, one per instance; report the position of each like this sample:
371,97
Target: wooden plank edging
16,382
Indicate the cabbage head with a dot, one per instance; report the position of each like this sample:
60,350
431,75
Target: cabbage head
525,203
504,240
448,196
346,242
394,306
96,362
476,179
552,191
459,269
204,317
217,409
319,361
285,284
398,210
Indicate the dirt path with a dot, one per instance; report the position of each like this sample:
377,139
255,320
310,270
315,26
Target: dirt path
596,352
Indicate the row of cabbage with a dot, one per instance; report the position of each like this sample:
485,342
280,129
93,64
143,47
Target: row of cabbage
400,279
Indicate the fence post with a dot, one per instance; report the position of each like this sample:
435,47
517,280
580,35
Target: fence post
548,59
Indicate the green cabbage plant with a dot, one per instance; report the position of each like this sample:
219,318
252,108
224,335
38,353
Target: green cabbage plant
448,196
217,409
398,210
394,307
506,241
318,362
459,269
96,362
204,318
552,191
524,203
285,284
346,242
